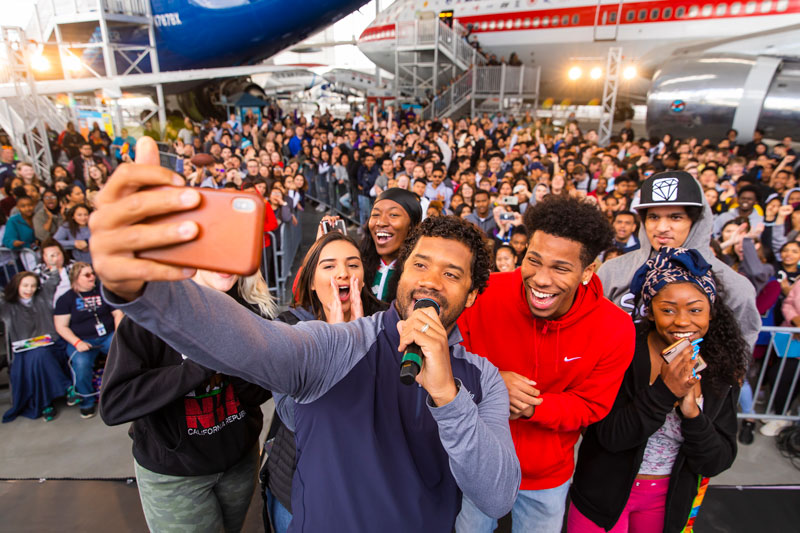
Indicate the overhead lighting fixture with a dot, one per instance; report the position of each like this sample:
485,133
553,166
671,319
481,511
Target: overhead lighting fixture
629,73
574,73
72,63
595,73
39,63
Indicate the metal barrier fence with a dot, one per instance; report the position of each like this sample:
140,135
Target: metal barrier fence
337,199
279,257
779,372
10,261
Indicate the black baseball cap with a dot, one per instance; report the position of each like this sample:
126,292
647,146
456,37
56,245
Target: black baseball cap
670,188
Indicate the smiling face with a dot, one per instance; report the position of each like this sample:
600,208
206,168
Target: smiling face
504,260
551,274
215,280
667,225
81,216
53,257
338,260
439,269
680,311
27,287
388,225
76,195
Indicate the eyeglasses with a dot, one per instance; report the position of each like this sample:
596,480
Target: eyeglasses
88,275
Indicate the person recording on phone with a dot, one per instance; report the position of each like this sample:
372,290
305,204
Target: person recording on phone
643,467
376,454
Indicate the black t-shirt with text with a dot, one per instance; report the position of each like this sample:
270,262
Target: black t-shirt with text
84,310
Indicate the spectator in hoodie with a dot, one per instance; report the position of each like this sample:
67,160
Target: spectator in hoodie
564,362
195,431
428,445
645,466
675,213
331,288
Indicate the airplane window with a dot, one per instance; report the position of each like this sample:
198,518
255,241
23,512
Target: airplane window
554,21
654,13
492,25
642,14
707,10
500,24
508,23
545,22
536,22
766,6
484,25
750,8
564,20
630,15
518,23
526,23
680,12
667,12
736,8
612,17
782,5
576,19
721,9
693,11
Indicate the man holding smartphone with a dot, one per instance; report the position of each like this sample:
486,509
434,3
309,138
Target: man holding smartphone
374,454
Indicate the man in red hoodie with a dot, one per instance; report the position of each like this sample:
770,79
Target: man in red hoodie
562,349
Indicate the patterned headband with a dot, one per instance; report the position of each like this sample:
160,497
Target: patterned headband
673,265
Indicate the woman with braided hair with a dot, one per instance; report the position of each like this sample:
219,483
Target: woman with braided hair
672,427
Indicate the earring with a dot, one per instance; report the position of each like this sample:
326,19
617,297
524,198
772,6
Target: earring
586,282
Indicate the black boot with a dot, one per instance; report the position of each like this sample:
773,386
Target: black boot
746,432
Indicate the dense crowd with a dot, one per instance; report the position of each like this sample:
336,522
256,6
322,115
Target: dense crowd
601,260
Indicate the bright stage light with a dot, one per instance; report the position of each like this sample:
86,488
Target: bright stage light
595,73
72,63
574,73
39,63
629,73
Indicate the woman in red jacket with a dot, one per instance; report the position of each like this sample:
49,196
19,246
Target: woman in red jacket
644,467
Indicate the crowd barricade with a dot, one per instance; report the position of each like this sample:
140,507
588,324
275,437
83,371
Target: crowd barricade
278,257
338,199
777,378
14,261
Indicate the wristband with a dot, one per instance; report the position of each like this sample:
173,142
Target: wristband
75,344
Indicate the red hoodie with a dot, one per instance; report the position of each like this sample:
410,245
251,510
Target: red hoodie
577,362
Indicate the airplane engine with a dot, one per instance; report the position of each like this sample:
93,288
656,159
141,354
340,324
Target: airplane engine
702,96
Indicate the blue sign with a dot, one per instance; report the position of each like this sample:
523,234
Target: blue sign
678,106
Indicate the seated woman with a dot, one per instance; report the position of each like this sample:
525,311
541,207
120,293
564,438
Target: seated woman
394,213
86,322
195,431
19,232
54,262
74,234
669,430
330,287
38,375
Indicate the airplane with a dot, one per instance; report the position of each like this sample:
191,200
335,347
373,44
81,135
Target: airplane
701,66
207,34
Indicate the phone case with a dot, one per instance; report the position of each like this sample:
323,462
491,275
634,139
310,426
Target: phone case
672,351
230,238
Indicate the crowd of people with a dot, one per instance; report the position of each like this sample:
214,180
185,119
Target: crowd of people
598,259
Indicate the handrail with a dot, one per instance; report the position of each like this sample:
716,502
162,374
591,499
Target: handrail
46,10
780,348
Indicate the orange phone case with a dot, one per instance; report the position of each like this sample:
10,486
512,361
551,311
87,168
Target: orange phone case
230,237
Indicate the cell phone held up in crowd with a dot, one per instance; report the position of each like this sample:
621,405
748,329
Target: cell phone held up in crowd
510,200
339,226
672,351
506,216
230,237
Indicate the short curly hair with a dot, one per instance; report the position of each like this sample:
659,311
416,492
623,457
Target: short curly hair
573,219
457,229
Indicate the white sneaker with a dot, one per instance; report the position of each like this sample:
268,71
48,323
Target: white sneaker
321,208
773,427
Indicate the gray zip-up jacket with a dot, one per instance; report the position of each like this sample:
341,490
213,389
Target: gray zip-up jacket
740,296
373,454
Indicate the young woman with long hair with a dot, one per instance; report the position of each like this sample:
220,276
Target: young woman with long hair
74,234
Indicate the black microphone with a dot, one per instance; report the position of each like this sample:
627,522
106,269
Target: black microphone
411,363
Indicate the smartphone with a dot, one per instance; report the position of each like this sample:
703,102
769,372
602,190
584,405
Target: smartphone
671,352
231,233
510,200
339,226
506,216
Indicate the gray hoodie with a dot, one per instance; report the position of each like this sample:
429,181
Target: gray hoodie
740,296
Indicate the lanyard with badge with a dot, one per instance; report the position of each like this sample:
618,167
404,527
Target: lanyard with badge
90,306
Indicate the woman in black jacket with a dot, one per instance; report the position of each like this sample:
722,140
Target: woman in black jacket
645,467
330,287
195,431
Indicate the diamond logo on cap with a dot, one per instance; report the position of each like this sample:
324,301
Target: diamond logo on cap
665,190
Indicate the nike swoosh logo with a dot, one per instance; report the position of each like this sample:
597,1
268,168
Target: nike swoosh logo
567,360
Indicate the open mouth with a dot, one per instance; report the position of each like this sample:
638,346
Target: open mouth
683,334
344,293
382,237
541,300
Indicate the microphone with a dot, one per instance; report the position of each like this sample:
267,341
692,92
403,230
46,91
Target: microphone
411,363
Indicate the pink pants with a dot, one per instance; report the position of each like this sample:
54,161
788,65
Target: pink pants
644,512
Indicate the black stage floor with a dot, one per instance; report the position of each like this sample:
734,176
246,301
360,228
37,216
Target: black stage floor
113,505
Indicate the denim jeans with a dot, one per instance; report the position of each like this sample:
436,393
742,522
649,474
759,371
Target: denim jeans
82,365
364,207
278,514
534,511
